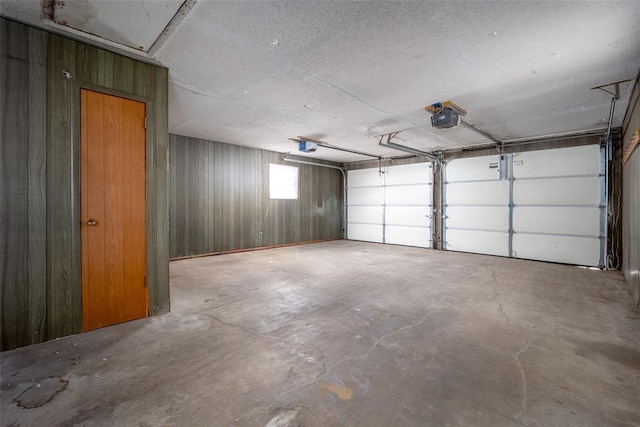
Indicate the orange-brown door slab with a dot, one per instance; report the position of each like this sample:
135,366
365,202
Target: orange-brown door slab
113,152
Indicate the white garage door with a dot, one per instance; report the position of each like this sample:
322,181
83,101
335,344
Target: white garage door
546,205
394,206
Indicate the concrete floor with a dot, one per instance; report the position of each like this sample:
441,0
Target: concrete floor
354,334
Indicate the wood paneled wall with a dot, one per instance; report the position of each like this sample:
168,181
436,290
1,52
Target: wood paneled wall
631,198
219,200
40,205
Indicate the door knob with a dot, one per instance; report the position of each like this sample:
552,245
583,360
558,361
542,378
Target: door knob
92,223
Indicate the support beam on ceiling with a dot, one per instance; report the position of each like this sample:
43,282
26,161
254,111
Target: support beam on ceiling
554,136
171,27
616,87
481,132
399,147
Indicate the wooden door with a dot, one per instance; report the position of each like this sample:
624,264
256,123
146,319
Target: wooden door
113,150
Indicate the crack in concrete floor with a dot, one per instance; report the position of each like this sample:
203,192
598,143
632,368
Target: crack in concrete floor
523,376
496,294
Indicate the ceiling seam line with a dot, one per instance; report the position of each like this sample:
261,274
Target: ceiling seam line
363,102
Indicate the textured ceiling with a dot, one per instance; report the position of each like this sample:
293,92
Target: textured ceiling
258,73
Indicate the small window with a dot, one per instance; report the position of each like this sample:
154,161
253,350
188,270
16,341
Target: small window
283,182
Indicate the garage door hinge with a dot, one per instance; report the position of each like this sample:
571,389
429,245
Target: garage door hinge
145,122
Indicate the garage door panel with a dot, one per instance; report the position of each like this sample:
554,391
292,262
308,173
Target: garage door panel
484,242
477,217
393,207
365,196
364,178
473,168
477,193
557,220
409,236
408,195
561,191
418,173
365,214
583,160
494,218
417,216
565,249
365,232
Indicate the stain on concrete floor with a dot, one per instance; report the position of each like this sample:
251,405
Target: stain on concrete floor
41,392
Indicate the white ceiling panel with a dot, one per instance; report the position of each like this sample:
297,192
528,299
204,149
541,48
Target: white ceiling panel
237,44
135,24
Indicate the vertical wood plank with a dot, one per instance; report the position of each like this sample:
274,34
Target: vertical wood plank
271,214
37,258
211,194
231,202
104,67
192,192
123,74
143,81
203,212
226,195
161,208
172,192
178,197
63,284
14,154
186,204
218,197
86,60
267,226
256,198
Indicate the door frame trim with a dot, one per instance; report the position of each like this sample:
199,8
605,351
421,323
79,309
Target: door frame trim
76,175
